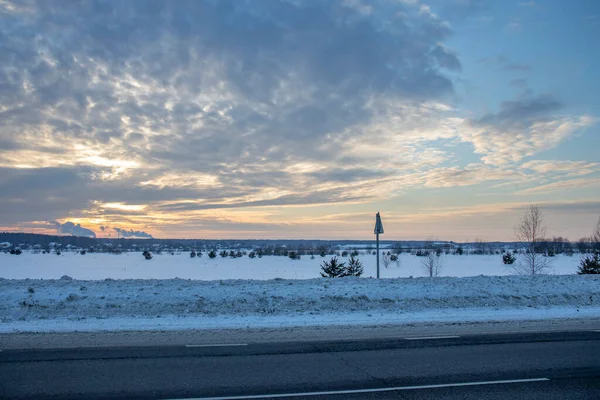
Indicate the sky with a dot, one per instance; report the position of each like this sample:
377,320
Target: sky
299,118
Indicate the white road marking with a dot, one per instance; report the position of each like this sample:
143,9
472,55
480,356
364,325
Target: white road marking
376,390
431,337
217,345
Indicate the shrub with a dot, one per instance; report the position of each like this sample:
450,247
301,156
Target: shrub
212,254
147,255
354,253
252,254
259,253
57,252
590,264
294,255
344,253
232,254
386,260
192,254
223,253
82,252
509,258
459,251
354,267
332,268
238,254
323,253
198,254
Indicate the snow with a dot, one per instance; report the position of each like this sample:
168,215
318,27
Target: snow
125,292
57,305
165,266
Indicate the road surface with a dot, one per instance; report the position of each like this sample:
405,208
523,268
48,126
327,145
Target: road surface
551,365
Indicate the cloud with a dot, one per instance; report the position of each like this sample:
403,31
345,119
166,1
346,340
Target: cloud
69,228
562,185
562,167
518,83
202,95
132,234
521,111
470,175
503,63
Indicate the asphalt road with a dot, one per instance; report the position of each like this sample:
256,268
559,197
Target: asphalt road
556,365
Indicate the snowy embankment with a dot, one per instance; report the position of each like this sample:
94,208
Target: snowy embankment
59,305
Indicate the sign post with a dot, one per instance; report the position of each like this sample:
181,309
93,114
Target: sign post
378,230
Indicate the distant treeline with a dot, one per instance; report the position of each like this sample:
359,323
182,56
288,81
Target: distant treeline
275,246
44,241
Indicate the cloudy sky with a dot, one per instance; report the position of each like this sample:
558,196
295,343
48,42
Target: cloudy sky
299,118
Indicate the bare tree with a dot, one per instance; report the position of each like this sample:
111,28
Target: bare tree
596,236
530,233
432,263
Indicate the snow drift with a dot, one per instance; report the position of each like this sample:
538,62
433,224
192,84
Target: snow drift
118,304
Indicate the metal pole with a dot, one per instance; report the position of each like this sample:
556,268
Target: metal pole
377,255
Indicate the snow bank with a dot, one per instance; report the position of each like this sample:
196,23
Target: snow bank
42,305
166,266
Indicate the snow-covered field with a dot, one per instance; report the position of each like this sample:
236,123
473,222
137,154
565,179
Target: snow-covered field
166,266
124,292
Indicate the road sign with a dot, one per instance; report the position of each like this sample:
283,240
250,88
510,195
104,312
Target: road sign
378,230
378,224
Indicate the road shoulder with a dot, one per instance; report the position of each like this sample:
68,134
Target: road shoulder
287,334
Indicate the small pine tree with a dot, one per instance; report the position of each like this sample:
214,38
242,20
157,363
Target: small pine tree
232,254
252,254
354,253
344,253
459,251
332,268
590,264
354,267
192,254
509,258
212,254
238,254
82,252
323,253
198,254
147,255
224,253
